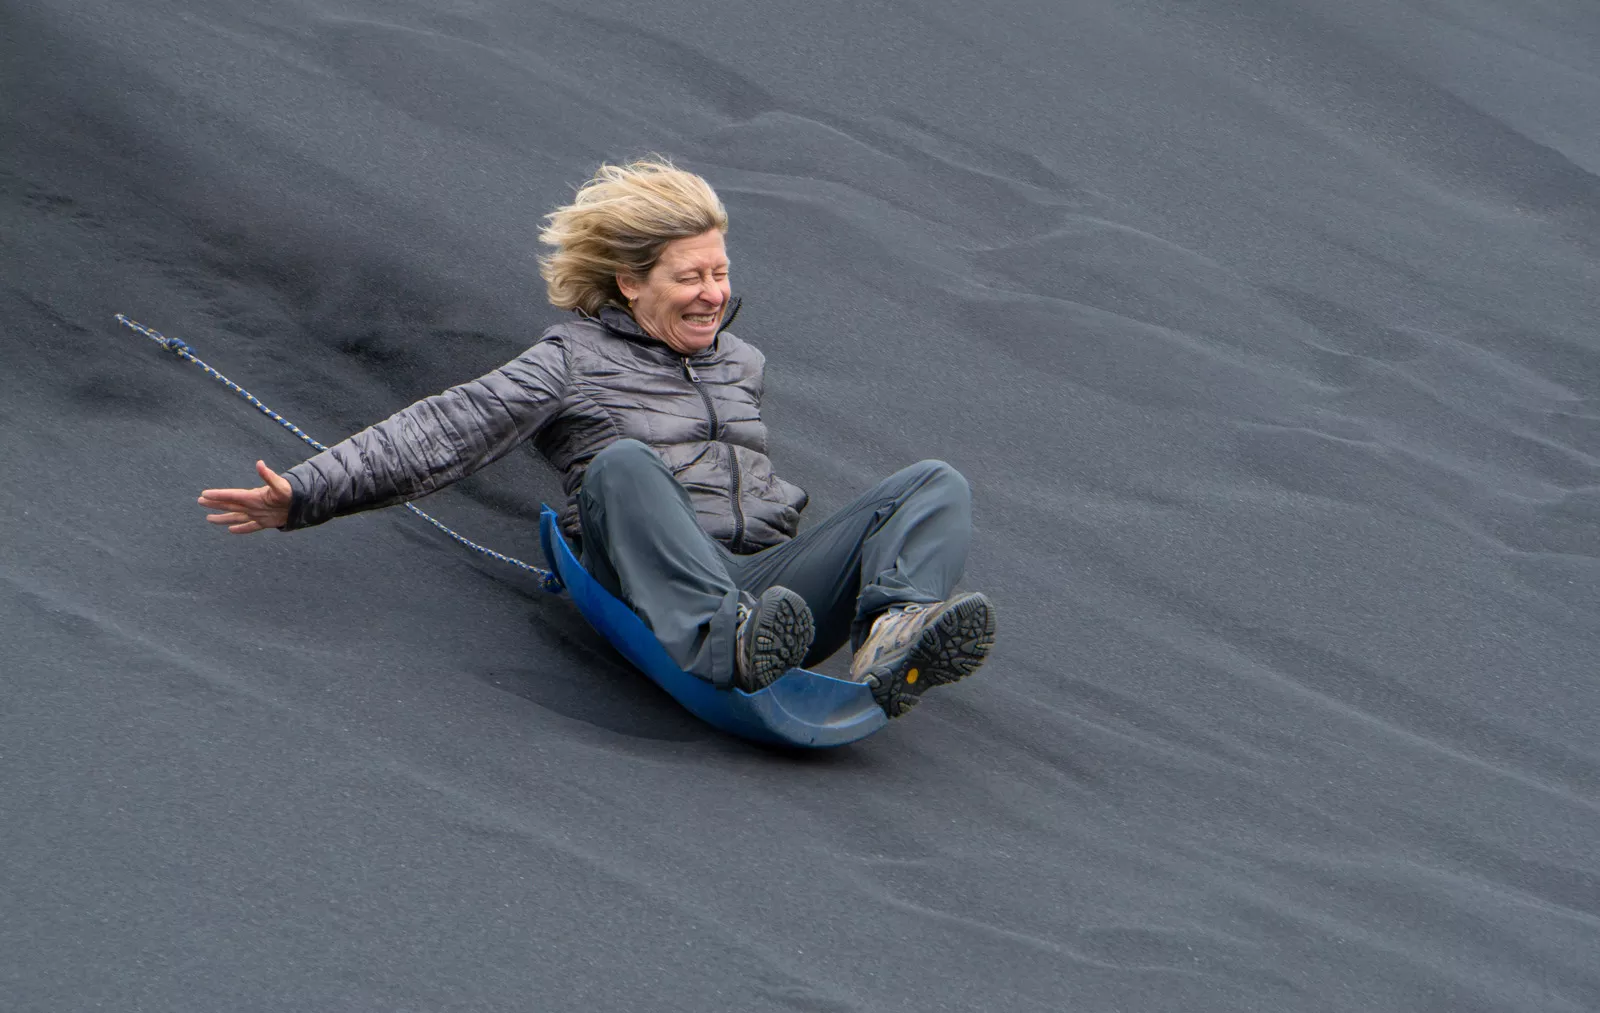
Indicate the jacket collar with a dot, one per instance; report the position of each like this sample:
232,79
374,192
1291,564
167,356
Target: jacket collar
619,321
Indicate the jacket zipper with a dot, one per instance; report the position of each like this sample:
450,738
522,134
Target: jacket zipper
733,456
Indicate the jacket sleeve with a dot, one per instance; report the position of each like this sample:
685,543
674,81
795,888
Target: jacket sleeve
437,441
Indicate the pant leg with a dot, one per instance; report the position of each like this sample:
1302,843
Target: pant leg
642,543
905,540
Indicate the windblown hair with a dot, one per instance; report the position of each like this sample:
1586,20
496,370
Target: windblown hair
619,223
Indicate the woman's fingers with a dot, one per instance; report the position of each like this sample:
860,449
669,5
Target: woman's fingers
259,498
276,492
247,511
276,482
239,524
233,495
220,499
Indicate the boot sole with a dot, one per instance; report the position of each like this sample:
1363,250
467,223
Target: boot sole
784,629
951,647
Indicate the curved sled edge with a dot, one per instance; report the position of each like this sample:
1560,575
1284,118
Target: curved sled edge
802,708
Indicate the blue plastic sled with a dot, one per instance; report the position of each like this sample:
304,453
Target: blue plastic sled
802,708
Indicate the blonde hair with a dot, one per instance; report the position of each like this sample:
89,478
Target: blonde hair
619,223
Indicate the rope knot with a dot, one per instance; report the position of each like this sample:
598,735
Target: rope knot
174,345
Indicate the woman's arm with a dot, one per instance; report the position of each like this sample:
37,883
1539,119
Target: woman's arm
437,441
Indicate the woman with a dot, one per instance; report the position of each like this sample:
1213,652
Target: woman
650,409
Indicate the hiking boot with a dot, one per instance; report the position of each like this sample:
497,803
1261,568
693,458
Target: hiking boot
773,637
913,648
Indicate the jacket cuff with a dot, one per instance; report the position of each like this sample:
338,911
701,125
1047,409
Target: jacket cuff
298,501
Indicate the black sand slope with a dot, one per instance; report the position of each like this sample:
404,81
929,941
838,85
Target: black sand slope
1266,333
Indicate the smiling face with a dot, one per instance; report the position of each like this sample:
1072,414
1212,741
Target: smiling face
681,301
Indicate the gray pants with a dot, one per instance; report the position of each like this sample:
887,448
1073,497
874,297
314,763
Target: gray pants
904,541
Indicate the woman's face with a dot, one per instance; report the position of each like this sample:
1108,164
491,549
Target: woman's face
682,299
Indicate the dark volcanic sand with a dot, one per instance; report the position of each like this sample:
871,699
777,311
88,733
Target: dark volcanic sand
1266,333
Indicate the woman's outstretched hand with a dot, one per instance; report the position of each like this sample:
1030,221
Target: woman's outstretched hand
250,510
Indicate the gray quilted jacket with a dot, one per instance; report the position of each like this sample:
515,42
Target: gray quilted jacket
584,385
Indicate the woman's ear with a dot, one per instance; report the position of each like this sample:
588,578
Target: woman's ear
629,286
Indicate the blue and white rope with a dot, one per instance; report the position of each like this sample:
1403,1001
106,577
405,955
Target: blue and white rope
177,346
